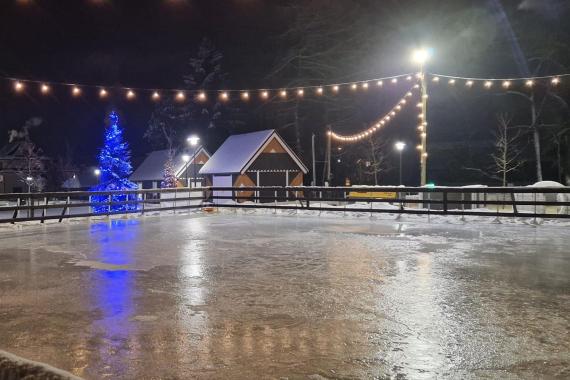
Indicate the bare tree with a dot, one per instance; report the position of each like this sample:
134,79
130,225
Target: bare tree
506,157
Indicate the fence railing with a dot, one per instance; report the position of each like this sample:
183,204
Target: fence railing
23,207
525,202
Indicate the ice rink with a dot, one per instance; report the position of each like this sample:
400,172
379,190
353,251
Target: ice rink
245,296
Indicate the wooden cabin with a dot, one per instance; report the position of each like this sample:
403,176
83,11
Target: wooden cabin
254,159
150,173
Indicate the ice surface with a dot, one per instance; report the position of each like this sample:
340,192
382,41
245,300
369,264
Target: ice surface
239,295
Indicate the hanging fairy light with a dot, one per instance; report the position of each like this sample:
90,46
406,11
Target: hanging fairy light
469,83
44,89
555,81
300,92
365,85
506,84
245,95
394,80
264,95
529,83
375,126
18,86
224,96
180,96
76,91
201,96
488,84
103,93
409,78
335,88
380,83
130,94
283,94
319,90
155,96
435,79
354,86
451,82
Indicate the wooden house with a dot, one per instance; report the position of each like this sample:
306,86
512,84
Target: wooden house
254,159
150,173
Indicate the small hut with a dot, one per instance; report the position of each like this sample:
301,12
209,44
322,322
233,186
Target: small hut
149,174
254,159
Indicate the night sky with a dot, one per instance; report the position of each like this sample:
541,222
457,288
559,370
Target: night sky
147,43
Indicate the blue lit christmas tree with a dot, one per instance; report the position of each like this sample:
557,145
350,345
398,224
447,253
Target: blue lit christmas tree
115,166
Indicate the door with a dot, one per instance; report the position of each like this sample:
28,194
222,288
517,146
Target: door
222,181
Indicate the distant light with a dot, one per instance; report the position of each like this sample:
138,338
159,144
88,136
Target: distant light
300,92
319,90
335,88
365,85
283,94
224,96
469,83
431,184
130,94
338,160
354,86
155,95
409,78
529,83
400,146
97,172
29,179
380,83
394,80
185,158
45,88
245,95
18,86
488,84
180,96
451,82
435,79
76,91
421,56
103,93
202,96
555,81
506,84
193,140
264,94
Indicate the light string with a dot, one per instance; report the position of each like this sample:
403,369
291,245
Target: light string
380,123
488,83
155,94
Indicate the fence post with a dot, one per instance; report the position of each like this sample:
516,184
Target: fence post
110,200
535,222
462,218
344,196
429,206
275,202
444,201
44,210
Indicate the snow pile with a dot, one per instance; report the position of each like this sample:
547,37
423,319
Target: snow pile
544,197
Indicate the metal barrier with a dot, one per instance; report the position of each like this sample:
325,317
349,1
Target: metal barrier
23,207
526,202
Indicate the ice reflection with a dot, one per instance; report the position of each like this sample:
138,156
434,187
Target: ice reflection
112,293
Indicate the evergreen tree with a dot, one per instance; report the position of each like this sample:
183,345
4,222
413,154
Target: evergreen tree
169,179
115,165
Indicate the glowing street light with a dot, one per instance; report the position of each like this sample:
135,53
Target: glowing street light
193,141
421,56
400,146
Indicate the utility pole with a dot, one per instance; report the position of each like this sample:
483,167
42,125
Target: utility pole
424,125
314,183
328,156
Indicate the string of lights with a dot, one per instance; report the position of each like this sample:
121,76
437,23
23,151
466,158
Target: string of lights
505,83
378,124
131,93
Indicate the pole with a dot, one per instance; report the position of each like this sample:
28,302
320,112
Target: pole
423,120
400,167
194,169
314,183
329,138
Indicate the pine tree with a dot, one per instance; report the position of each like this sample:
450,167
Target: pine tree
115,165
169,179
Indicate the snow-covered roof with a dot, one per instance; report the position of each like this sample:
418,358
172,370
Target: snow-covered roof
152,168
239,151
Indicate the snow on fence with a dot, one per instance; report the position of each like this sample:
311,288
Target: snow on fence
534,201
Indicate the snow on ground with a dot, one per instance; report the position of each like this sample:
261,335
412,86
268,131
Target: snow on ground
241,294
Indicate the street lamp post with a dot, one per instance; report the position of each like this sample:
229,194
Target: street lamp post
400,148
421,56
193,141
186,159
97,173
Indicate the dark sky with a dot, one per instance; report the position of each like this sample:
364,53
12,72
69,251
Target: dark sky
146,43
